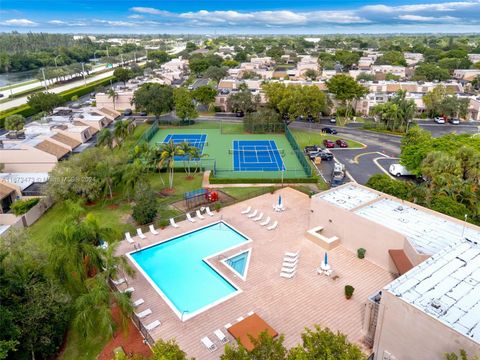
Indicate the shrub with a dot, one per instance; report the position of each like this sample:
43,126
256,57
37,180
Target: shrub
20,207
349,289
217,206
163,223
361,253
145,208
74,98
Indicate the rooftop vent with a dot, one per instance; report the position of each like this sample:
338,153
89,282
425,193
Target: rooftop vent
435,307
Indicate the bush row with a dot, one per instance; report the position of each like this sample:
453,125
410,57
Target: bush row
214,180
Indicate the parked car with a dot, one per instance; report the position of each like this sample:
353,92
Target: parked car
328,143
439,120
1,95
338,175
329,130
322,154
311,148
142,113
127,112
398,170
342,143
224,91
454,121
333,120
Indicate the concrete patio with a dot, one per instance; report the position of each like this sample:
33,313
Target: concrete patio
288,305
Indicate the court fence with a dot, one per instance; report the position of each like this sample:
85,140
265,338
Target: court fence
263,127
298,152
149,134
228,176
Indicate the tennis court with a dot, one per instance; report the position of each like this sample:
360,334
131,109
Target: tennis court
274,156
196,140
256,155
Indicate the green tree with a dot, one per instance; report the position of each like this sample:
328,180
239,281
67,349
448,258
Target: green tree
123,74
146,207
14,122
112,94
397,112
310,74
275,52
365,77
243,101
184,106
415,146
265,120
463,356
433,100
167,350
265,348
44,101
159,56
230,63
167,153
392,58
122,129
346,90
154,98
105,138
324,344
215,73
384,183
430,72
347,58
249,74
204,94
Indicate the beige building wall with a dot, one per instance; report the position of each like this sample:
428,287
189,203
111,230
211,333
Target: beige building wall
27,159
122,102
377,240
406,333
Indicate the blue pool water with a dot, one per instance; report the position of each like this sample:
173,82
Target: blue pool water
177,269
238,262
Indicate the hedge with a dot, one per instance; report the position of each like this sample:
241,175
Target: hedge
20,207
214,180
26,110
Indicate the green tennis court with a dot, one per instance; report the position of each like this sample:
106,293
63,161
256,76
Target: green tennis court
221,157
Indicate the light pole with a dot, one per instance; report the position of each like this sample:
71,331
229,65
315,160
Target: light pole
135,56
94,58
44,79
55,59
121,57
465,223
83,73
408,124
146,54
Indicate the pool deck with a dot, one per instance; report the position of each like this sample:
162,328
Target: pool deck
288,305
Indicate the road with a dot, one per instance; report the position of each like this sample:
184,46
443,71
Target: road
58,89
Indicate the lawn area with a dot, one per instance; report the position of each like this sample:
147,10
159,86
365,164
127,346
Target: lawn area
78,347
305,138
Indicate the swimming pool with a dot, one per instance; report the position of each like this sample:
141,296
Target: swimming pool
238,263
177,269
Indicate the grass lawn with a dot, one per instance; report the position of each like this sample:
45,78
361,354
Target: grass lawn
305,138
78,347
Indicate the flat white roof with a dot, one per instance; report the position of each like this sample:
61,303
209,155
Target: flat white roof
3,228
428,232
446,287
349,197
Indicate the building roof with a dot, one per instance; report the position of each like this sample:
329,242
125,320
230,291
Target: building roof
52,148
24,180
446,287
66,140
5,190
349,197
426,231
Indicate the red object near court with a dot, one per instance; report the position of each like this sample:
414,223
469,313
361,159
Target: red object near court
211,196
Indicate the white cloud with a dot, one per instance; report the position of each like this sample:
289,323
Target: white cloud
57,22
136,16
149,10
115,23
19,22
448,6
427,18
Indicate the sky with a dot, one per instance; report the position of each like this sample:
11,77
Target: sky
240,17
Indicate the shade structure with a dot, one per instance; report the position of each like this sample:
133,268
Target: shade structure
280,200
325,259
251,326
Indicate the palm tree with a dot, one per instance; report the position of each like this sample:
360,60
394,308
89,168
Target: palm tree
131,176
121,130
185,150
112,94
167,152
105,138
107,173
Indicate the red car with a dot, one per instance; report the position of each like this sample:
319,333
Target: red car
342,143
328,143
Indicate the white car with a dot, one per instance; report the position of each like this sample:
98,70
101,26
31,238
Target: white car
333,120
398,170
439,120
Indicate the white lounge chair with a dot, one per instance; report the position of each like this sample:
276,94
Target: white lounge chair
140,234
259,217
208,344
208,211
144,313
119,281
228,326
153,325
173,223
288,264
273,226
152,230
253,214
199,215
290,259
287,275
128,237
247,210
288,270
138,302
189,218
266,221
129,290
291,254
221,336
250,313
240,318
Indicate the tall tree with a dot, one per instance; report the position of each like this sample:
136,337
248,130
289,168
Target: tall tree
123,74
14,122
154,98
346,91
166,159
112,94
184,106
44,101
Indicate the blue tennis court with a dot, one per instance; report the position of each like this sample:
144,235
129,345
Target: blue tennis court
256,155
196,140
